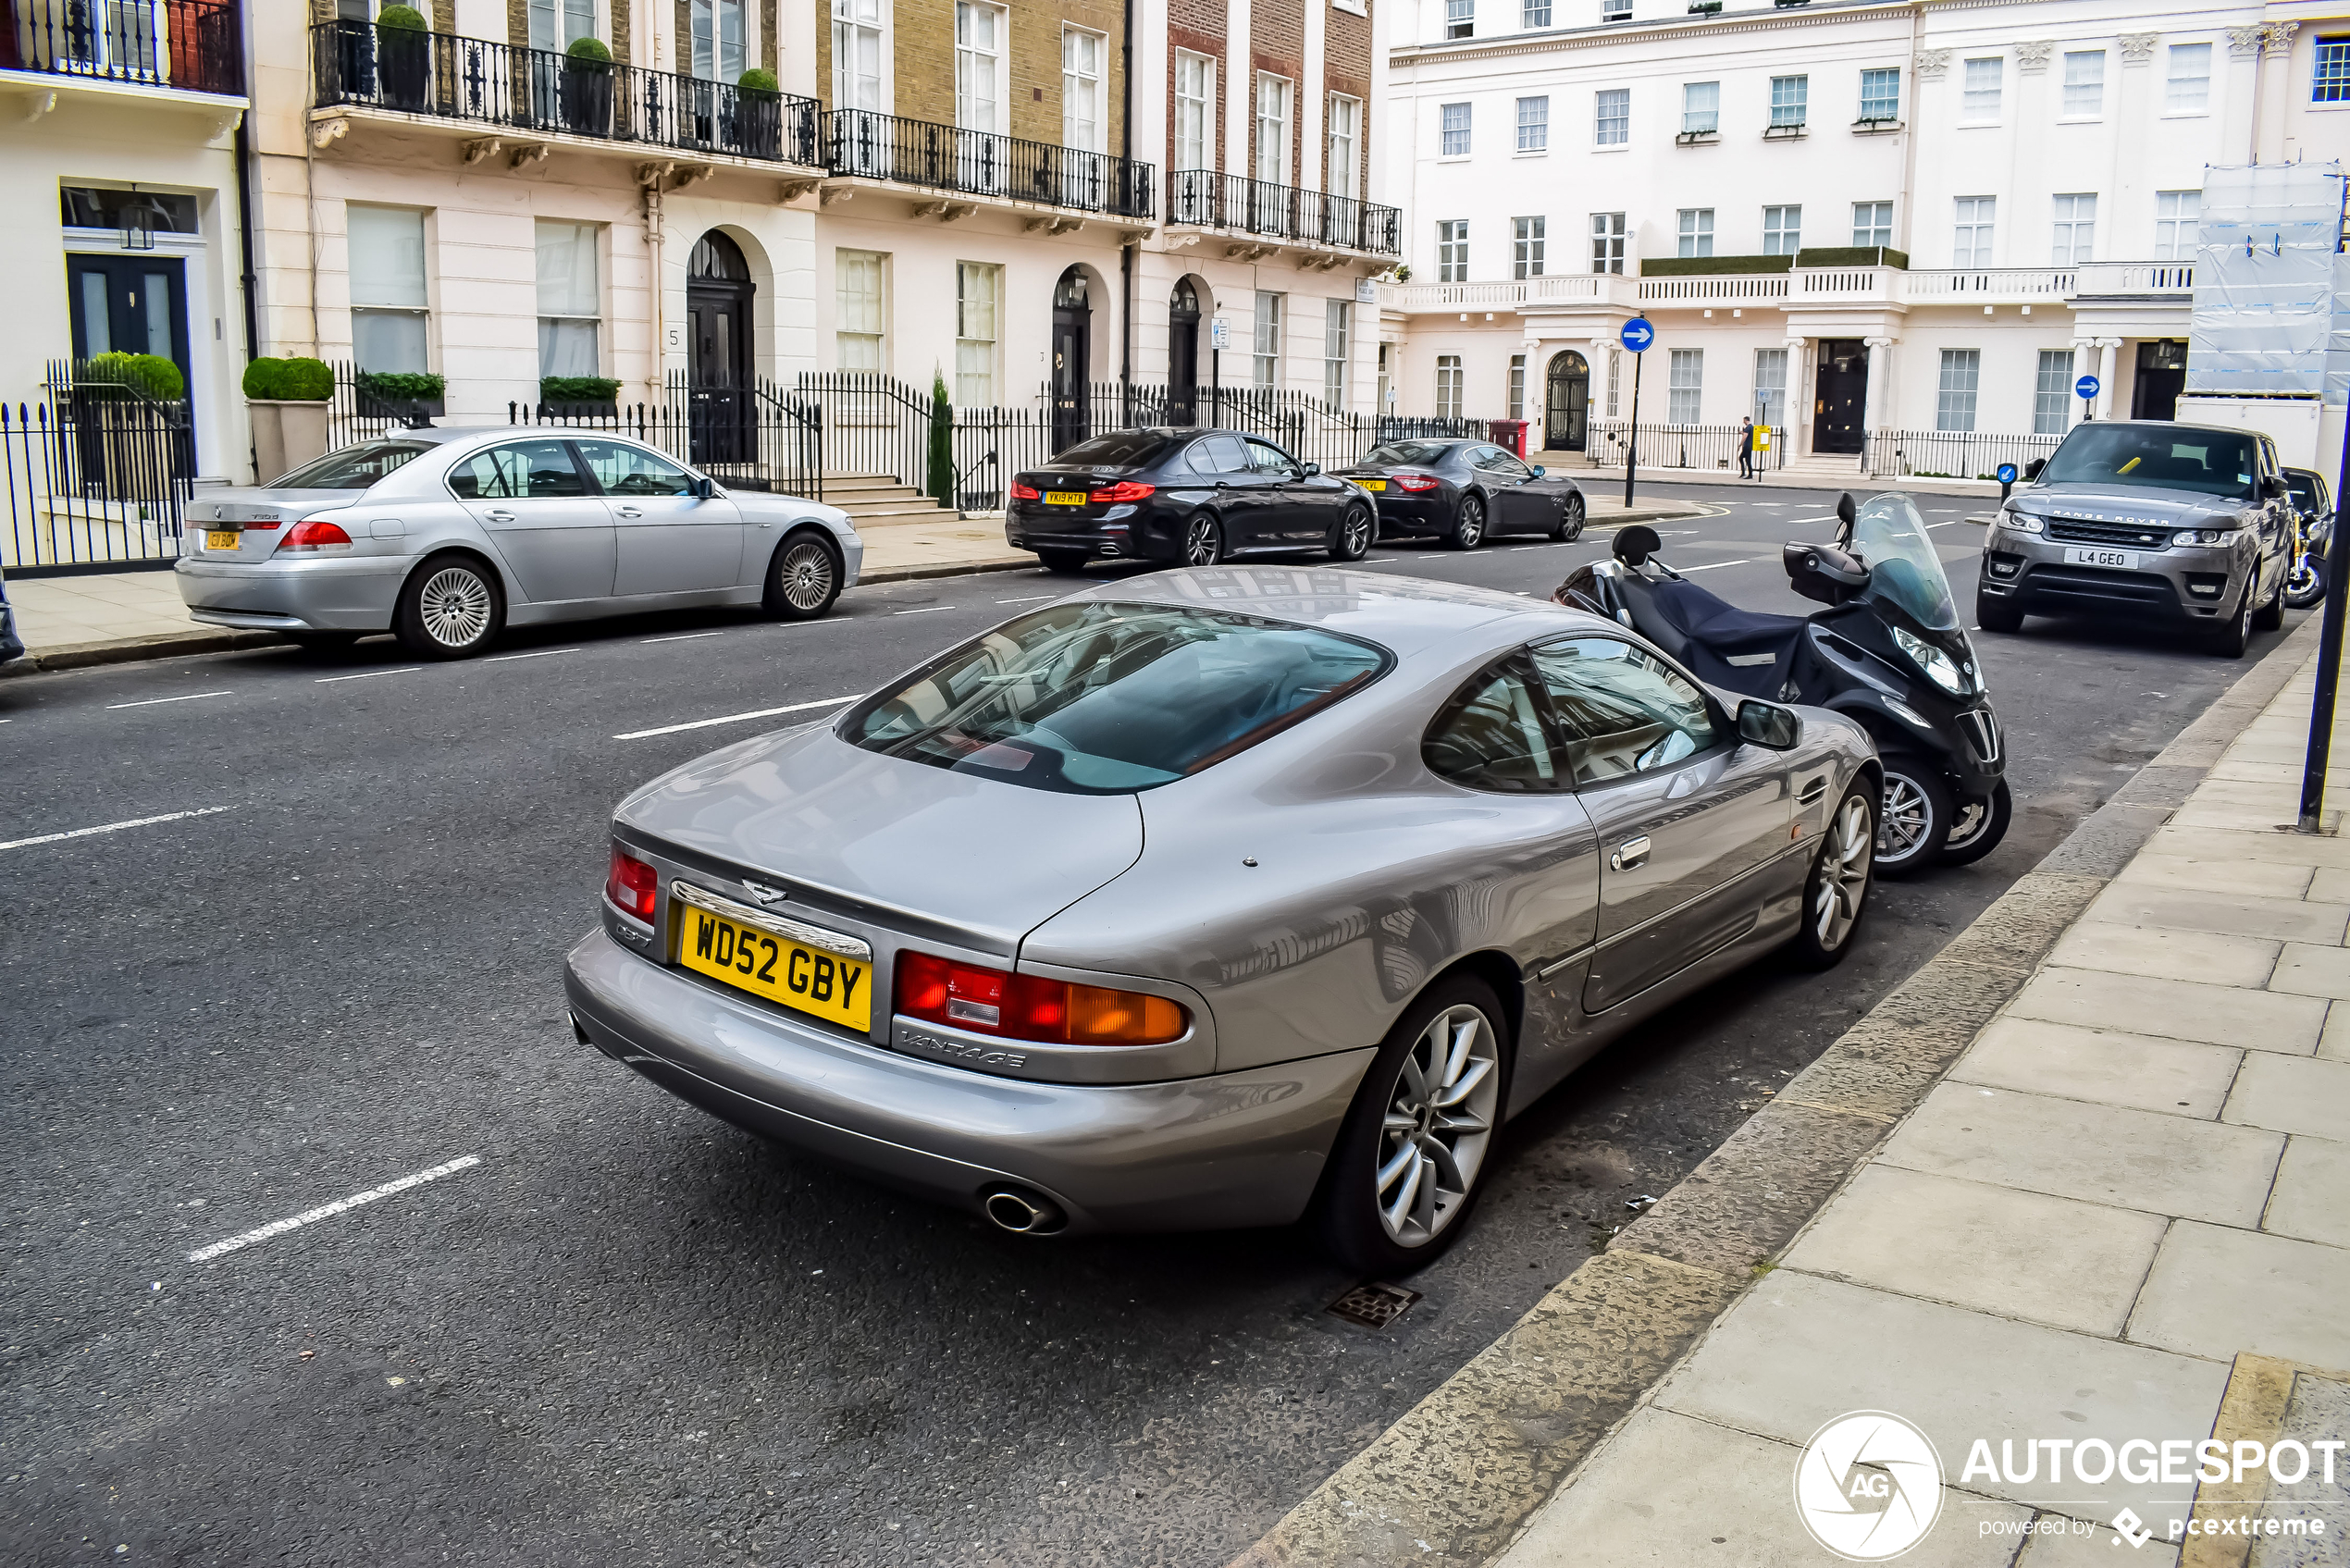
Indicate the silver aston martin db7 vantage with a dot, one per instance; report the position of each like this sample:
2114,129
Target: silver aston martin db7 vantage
1216,898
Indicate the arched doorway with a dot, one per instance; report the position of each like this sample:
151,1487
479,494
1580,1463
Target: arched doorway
718,363
1182,353
1566,402
1072,356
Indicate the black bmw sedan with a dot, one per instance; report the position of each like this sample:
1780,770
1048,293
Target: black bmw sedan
1185,498
1463,492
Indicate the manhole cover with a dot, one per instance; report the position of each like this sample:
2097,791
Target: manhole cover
1373,1305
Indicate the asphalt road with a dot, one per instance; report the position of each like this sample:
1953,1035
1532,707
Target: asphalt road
629,1334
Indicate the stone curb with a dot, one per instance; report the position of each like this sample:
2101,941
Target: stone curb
1452,1481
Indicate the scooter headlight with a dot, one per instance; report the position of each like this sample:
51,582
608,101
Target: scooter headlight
1939,667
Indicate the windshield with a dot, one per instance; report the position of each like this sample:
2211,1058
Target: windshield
1890,536
1119,449
1106,698
1404,451
354,468
2216,462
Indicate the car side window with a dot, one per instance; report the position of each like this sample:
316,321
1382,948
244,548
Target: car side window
1490,737
1502,465
516,471
625,470
1621,709
1220,454
1266,459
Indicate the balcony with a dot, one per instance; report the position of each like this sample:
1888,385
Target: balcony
1264,217
183,45
441,78
967,169
1810,287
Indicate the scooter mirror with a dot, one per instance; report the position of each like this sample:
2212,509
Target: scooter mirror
1634,545
1768,725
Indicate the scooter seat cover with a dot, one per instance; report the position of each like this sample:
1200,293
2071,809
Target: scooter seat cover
1712,632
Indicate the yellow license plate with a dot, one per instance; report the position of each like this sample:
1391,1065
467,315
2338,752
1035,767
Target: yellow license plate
1373,484
776,968
221,539
1064,498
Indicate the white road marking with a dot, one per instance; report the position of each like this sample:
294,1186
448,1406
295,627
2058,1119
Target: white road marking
116,827
327,1211
727,719
683,636
1713,566
1032,599
926,609
542,653
1831,517
153,700
368,675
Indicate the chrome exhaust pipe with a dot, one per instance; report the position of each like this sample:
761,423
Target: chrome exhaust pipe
1023,1213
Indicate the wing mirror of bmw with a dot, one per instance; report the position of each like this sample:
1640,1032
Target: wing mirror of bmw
1768,725
1313,470
704,486
2031,469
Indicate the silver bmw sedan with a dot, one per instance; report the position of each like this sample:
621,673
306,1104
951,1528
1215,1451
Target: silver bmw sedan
444,537
1216,898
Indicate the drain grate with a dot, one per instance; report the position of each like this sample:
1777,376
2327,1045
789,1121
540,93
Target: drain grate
1373,1305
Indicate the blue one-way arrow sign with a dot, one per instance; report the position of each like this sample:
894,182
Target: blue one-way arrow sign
1637,334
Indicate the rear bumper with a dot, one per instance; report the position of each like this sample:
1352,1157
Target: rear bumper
1224,1150
345,594
1133,538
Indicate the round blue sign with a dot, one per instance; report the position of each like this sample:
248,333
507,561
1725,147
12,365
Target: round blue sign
2005,472
2085,388
1637,334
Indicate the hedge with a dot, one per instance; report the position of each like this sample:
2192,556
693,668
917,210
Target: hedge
401,18
150,374
289,380
1701,266
1852,256
577,389
402,386
758,79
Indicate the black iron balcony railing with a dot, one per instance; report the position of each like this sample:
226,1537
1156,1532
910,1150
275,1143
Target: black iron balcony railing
536,89
981,163
195,46
1211,200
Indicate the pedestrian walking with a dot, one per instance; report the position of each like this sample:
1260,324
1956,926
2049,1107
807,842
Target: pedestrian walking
1746,448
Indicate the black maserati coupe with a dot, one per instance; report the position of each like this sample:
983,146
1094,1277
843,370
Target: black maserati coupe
1463,492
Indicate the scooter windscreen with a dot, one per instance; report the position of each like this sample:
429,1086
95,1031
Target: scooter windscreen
1904,571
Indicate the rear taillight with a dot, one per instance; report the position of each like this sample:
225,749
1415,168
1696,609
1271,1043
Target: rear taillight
1023,492
1124,490
630,886
1026,1007
313,534
1414,482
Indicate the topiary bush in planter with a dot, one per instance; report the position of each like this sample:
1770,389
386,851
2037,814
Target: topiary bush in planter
757,127
289,380
599,391
286,405
410,396
116,375
403,56
585,90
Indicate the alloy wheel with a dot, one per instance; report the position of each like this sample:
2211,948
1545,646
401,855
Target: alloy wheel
454,606
1440,1121
1470,529
1571,518
1844,873
806,576
1908,817
1201,543
1355,536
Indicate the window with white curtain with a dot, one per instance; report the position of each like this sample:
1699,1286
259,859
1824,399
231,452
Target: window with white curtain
1082,90
1971,235
1451,249
390,324
1686,395
1697,231
979,294
1454,121
1460,19
979,60
857,55
1272,130
1954,399
555,23
1535,14
2075,230
1267,344
2176,217
1343,147
1612,116
2188,88
1979,90
1782,231
860,311
1194,111
1527,244
1533,124
718,39
1338,321
2083,82
2052,392
1448,386
1700,107
570,305
1770,387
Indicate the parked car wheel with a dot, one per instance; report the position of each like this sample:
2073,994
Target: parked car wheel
1997,614
1411,1155
2230,640
1468,524
1203,541
1068,563
1913,820
1979,826
1570,523
2269,617
1352,538
451,608
1837,890
804,578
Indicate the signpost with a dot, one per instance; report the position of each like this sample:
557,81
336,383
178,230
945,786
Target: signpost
2313,768
2006,475
2085,389
1637,336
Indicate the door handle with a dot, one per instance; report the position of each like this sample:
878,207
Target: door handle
1810,793
499,514
629,510
1630,855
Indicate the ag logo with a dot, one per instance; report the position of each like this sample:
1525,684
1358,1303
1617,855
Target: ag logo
1869,1486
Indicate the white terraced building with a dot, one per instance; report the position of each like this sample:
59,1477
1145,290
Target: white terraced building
1907,226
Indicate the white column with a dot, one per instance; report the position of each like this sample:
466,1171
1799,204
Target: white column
1802,391
1874,403
2105,376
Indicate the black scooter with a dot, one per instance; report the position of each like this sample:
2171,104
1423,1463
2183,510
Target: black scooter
1889,653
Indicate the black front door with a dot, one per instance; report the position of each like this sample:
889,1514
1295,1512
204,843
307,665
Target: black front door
1182,354
2162,376
1072,352
1566,402
1843,395
718,318
130,305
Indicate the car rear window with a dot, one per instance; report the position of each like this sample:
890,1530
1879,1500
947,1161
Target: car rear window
1118,449
1419,453
354,468
1106,699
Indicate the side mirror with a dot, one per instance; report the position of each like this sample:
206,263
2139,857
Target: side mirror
704,486
2271,487
1845,509
2031,469
1768,725
1635,544
1540,472
1312,470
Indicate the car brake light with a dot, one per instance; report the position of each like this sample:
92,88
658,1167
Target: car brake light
631,885
1024,492
1124,490
1026,1007
313,534
1416,482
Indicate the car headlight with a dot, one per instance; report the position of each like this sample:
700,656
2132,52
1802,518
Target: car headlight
2200,536
2021,522
1939,667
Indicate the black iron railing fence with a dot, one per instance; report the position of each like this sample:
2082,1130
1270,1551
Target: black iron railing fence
751,438
195,46
95,477
1949,454
1234,202
953,161
499,84
1679,446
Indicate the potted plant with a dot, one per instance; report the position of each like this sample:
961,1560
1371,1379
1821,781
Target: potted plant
286,404
117,425
403,56
758,114
578,395
413,397
942,444
587,87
